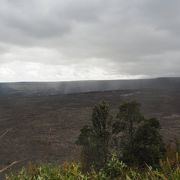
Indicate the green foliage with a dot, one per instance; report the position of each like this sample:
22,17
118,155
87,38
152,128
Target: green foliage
141,142
100,117
67,171
171,167
129,116
136,140
128,119
149,147
95,139
113,170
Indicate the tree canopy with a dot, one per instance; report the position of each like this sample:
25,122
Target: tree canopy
138,140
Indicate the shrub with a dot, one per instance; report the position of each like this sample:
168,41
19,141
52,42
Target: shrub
68,171
113,170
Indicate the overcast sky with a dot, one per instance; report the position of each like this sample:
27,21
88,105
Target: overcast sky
57,40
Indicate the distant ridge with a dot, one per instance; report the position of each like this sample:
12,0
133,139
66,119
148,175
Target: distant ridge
70,87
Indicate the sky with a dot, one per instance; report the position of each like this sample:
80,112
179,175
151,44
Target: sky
67,40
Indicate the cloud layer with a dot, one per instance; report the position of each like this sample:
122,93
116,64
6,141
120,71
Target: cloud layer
49,40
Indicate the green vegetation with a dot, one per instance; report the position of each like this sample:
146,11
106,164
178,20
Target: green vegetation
96,139
135,139
113,170
123,146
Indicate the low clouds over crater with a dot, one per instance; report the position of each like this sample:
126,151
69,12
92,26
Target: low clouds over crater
98,39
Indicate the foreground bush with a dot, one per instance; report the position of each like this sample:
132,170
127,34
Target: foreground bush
114,169
67,171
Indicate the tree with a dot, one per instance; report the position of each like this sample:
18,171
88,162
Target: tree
149,146
140,140
136,140
95,139
129,117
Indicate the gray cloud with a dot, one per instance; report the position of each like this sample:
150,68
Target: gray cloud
162,14
138,38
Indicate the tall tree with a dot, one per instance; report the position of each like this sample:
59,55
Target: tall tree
149,146
140,139
128,119
135,139
95,139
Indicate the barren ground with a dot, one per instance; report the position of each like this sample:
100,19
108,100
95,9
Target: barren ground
45,128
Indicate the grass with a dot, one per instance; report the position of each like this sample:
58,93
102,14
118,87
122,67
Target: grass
113,170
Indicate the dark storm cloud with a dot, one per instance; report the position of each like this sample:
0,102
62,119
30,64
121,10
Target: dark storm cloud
136,38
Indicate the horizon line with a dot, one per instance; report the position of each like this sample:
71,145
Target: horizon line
123,79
